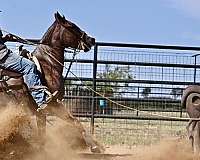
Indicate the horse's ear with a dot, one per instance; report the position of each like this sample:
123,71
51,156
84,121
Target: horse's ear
61,19
58,17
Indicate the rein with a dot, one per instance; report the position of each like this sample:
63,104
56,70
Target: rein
21,40
75,51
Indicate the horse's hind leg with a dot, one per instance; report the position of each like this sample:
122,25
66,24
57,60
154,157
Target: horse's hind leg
190,131
196,139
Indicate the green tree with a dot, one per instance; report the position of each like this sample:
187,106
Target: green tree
116,73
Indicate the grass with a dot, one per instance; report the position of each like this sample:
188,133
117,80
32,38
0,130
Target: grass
136,132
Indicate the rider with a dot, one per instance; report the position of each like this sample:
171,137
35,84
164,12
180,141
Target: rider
12,61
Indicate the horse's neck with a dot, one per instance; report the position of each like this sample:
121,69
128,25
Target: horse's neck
53,56
52,63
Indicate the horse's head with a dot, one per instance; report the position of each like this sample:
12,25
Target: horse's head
50,53
66,34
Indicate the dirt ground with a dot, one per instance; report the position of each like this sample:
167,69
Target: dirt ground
18,141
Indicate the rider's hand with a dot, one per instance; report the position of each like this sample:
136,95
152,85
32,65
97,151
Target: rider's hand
9,37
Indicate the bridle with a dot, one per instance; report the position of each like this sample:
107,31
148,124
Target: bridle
75,50
81,39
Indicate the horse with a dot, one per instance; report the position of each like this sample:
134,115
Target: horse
50,55
191,101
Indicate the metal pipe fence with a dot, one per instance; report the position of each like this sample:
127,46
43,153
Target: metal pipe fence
149,79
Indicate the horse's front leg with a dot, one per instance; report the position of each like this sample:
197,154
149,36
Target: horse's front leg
41,126
65,115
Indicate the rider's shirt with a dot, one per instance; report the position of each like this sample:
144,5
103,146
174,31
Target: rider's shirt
3,49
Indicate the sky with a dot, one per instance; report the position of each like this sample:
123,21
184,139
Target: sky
166,22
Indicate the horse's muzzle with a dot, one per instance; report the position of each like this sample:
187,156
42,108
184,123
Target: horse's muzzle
89,42
92,41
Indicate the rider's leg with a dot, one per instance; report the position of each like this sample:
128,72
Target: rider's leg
31,77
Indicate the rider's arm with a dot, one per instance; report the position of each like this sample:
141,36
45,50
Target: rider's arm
9,38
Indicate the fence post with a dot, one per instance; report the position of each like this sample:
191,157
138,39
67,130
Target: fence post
138,103
94,88
195,68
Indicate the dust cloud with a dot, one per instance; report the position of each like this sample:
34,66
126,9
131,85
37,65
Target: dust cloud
59,144
168,149
18,141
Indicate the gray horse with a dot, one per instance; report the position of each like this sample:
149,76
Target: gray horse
191,101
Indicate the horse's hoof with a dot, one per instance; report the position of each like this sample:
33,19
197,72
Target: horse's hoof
95,149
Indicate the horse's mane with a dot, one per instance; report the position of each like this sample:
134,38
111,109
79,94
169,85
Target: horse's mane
46,37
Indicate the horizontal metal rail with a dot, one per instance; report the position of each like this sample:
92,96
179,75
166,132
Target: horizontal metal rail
189,48
133,81
138,45
137,93
141,110
135,63
129,117
121,99
135,87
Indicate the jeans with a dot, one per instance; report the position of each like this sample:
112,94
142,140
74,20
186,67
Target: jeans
30,74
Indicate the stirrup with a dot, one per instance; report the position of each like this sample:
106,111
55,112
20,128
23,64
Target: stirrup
52,96
41,107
